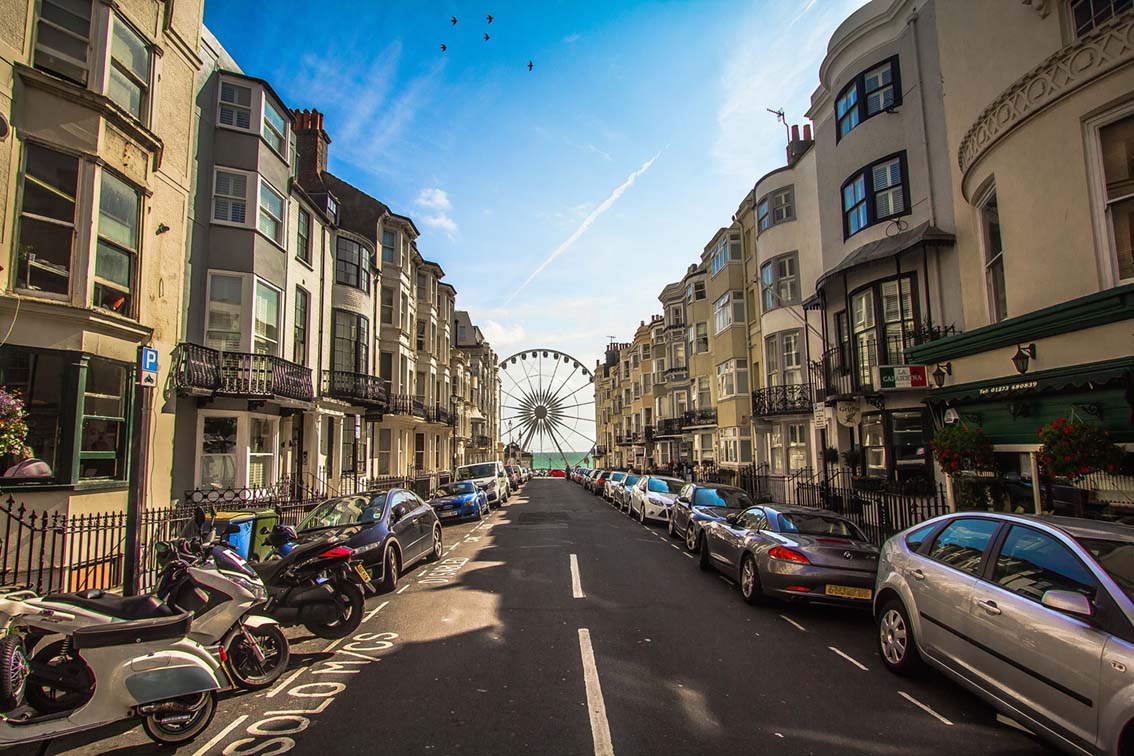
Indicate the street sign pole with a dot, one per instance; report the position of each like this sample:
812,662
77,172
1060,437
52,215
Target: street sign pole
139,466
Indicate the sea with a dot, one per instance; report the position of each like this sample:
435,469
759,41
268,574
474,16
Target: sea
542,460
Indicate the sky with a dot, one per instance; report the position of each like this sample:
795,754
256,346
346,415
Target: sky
561,200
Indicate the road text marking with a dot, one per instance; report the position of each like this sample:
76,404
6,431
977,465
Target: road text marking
219,736
924,708
576,584
852,661
596,707
287,681
793,623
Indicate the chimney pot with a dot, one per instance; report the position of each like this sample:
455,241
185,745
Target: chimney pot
795,133
807,132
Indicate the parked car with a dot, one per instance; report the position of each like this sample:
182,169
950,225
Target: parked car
515,477
556,472
653,496
622,492
389,531
461,498
699,503
597,483
489,477
792,553
1033,614
614,479
589,479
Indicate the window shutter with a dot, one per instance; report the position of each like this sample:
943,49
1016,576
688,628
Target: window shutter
230,201
236,104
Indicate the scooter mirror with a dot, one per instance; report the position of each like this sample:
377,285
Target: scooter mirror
232,529
281,535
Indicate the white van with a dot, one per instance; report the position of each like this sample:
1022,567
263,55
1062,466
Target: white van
490,477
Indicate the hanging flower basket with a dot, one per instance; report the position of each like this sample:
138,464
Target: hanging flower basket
957,448
1073,449
13,422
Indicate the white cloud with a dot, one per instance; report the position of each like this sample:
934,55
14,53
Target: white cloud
500,335
587,223
441,222
435,199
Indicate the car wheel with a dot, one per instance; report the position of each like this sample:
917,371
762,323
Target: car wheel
438,546
669,527
705,562
896,639
691,540
750,586
390,572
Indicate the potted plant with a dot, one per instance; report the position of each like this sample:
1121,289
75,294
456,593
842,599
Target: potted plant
1073,449
959,448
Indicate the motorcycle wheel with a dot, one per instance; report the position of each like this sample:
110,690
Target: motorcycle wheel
172,729
13,672
350,599
246,670
47,699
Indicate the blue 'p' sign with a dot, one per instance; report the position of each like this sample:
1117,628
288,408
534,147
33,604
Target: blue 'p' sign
149,359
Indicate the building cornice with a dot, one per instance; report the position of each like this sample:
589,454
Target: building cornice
1104,50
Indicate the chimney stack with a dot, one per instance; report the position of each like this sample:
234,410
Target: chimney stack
795,133
311,143
796,147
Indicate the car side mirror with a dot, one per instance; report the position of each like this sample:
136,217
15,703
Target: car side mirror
1068,602
682,500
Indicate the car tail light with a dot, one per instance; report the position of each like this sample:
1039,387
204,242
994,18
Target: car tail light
785,554
799,588
834,541
338,552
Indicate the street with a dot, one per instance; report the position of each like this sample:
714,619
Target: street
503,647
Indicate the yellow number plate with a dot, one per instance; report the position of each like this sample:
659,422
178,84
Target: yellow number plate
845,591
365,574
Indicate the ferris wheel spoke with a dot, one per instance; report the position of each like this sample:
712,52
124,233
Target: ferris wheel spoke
560,399
554,394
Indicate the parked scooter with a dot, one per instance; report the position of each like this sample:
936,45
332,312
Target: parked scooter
135,658
313,584
222,591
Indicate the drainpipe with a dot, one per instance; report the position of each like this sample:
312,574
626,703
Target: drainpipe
924,120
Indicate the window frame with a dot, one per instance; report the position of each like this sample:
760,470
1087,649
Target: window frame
362,277
81,169
134,255
881,344
145,113
281,304
996,298
729,375
870,195
265,103
122,453
993,547
250,178
302,241
1073,28
279,239
1102,203
859,107
361,351
221,102
35,47
767,204
771,287
300,326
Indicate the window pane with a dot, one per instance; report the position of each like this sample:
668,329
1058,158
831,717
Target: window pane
225,300
1031,563
50,183
274,126
963,542
113,265
266,319
118,212
130,50
62,38
271,211
40,378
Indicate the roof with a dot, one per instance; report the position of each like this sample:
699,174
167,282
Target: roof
890,246
358,211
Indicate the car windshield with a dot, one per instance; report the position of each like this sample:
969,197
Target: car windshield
617,477
486,470
456,489
732,498
632,479
666,485
818,525
1116,557
348,510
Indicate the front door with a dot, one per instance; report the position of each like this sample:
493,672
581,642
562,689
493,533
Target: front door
298,455
1046,659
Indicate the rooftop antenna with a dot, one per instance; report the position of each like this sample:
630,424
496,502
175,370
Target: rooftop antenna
779,114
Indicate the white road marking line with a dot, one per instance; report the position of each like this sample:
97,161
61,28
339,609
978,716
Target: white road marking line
674,545
403,589
370,615
924,708
220,735
287,681
792,622
848,658
596,707
688,555
576,583
722,577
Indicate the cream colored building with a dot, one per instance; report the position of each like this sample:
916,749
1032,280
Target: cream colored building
671,376
96,165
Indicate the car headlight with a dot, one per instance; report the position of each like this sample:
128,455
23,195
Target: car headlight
657,502
491,486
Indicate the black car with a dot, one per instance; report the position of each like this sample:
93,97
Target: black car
390,531
702,502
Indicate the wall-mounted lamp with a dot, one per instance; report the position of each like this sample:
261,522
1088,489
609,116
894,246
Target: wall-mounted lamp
940,372
161,229
1023,354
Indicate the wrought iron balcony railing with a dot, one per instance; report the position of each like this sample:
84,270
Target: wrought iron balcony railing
669,426
701,417
357,388
792,398
200,369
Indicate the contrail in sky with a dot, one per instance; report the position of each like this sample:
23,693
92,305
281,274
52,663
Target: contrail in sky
582,229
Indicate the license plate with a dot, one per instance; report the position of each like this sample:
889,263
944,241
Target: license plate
362,572
450,514
846,591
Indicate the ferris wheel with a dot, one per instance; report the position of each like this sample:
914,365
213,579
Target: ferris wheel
547,405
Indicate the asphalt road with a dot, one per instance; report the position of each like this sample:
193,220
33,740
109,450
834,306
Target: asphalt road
501,649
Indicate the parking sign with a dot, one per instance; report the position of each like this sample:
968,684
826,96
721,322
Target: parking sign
147,366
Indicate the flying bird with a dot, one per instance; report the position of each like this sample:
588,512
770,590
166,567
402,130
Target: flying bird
529,65
453,20
485,37
490,18
444,48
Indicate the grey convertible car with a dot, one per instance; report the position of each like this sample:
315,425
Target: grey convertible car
792,553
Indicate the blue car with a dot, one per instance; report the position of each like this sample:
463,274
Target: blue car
458,500
699,503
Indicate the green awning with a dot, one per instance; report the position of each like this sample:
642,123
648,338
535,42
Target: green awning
1088,376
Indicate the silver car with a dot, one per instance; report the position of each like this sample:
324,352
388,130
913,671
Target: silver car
621,493
792,553
1033,614
653,496
613,481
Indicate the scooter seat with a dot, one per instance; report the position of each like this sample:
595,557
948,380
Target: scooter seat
133,631
121,607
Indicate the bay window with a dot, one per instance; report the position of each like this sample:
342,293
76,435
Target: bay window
218,452
1117,144
230,197
272,205
47,220
62,38
352,264
266,320
237,451
797,456
351,342
732,379
387,305
871,92
274,127
104,437
779,281
223,316
235,107
728,250
775,207
783,361
876,193
728,311
130,65
389,246
882,317
874,445
261,452
116,257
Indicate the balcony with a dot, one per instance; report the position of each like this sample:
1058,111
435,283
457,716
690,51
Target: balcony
706,416
790,399
356,388
481,442
669,426
677,373
200,371
404,404
849,370
440,415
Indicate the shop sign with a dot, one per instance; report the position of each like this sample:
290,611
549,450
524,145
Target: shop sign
847,413
898,377
820,420
1007,388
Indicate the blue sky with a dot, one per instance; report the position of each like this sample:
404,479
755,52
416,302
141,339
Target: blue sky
635,137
